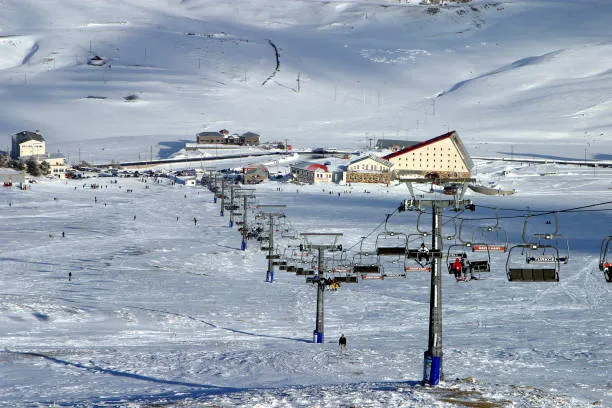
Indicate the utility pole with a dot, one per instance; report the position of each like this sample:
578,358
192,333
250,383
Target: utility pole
432,362
271,211
321,242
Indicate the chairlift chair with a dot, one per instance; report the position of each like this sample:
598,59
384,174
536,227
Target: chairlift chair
549,239
393,267
473,262
366,264
524,263
412,263
339,269
340,263
494,237
605,258
411,251
307,266
391,243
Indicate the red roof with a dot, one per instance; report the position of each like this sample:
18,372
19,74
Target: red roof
316,166
419,145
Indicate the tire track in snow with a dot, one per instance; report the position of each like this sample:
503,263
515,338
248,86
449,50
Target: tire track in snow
277,55
30,53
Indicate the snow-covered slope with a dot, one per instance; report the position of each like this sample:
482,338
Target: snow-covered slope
498,72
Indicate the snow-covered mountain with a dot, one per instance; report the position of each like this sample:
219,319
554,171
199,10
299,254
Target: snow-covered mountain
532,74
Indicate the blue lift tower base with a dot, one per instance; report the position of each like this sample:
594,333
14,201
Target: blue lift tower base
432,368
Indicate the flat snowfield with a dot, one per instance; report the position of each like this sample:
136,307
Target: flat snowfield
117,297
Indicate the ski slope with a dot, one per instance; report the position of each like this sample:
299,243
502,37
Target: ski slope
160,309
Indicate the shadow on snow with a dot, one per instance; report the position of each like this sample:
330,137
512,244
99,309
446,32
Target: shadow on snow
223,328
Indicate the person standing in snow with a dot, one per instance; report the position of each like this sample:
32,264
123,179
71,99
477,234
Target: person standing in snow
342,343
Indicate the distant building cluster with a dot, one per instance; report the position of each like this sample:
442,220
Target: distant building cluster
224,137
27,145
443,157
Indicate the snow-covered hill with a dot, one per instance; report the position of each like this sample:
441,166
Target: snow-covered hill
501,73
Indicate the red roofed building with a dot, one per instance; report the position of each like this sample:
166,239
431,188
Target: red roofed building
311,173
444,156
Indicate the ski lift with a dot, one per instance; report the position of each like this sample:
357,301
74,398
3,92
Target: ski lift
455,231
524,260
605,261
413,260
391,243
391,251
340,263
413,252
549,239
284,260
366,265
494,237
305,267
473,262
393,267
337,270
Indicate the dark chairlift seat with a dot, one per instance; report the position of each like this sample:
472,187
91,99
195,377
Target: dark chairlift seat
533,275
391,251
525,271
480,266
366,269
346,279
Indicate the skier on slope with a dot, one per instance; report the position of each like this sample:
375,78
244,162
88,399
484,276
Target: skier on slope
342,343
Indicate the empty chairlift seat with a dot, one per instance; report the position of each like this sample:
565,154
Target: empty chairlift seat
533,275
365,269
533,263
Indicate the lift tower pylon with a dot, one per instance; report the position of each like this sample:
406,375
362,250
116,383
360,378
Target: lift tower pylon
271,211
321,241
245,193
432,362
